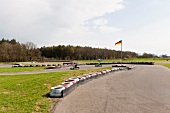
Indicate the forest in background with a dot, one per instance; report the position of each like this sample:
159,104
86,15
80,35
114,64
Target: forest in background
13,51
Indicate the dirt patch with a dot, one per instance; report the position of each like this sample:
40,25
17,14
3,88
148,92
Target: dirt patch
48,85
6,93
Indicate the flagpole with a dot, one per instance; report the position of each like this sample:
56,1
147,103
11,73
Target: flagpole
121,52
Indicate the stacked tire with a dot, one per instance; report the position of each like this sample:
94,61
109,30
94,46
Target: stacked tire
69,85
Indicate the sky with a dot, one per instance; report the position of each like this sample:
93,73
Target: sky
142,25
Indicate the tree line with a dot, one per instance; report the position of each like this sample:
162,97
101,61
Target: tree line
69,52
13,51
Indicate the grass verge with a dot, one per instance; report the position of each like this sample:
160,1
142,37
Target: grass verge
156,60
166,65
29,93
20,69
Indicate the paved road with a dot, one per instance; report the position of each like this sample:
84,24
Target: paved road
5,65
82,67
145,89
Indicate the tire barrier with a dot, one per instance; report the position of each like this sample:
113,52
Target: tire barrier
98,65
74,68
69,85
139,63
68,90
48,66
53,67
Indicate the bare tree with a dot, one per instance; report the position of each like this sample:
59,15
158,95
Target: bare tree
32,51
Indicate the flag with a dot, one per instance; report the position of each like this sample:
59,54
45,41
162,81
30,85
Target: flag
118,43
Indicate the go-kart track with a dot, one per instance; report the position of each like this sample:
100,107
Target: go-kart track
144,89
82,67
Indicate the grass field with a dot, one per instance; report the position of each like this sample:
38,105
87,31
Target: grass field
28,93
20,69
166,65
156,60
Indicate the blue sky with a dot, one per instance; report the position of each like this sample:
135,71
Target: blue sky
143,25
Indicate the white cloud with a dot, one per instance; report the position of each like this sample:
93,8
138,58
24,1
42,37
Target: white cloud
100,22
45,22
101,26
107,29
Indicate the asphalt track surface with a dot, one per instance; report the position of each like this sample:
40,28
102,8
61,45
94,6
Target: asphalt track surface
144,89
82,67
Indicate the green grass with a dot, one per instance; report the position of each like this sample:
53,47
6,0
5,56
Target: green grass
20,69
156,60
28,93
166,65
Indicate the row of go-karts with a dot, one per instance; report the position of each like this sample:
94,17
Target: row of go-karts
69,85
